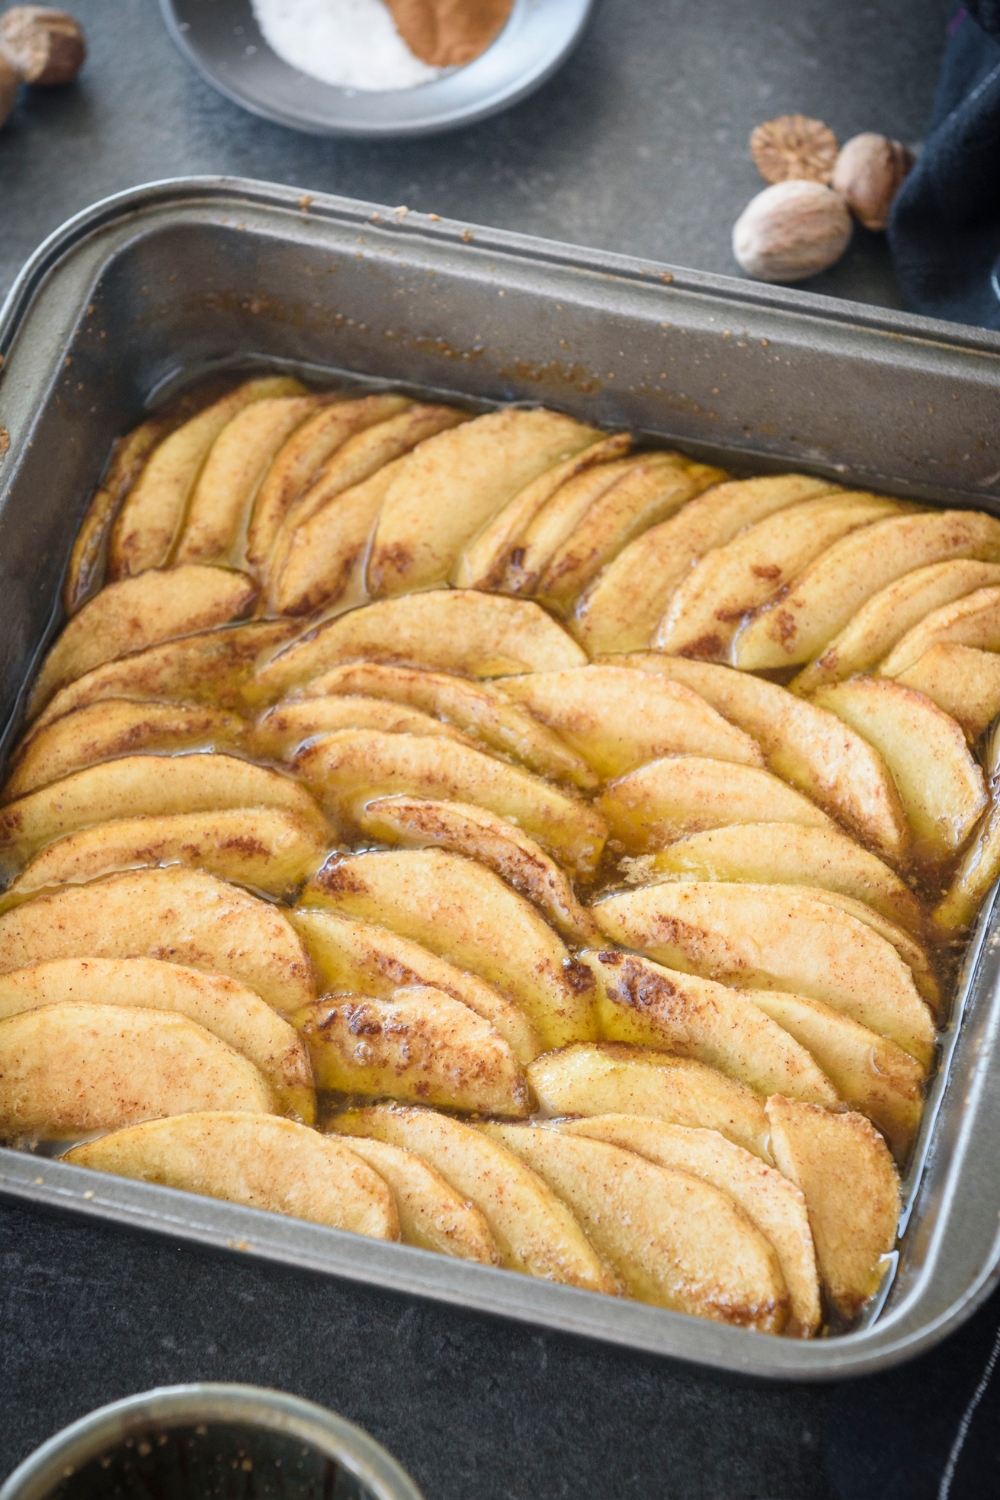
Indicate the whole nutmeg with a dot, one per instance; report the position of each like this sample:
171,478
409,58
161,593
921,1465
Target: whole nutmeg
794,146
44,45
10,82
868,174
790,231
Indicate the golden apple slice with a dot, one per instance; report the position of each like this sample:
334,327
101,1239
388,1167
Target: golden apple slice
772,1203
706,608
977,872
137,613
889,614
641,498
320,562
940,785
913,953
804,744
622,608
421,823
788,854
263,847
228,1010
456,484
667,799
115,727
452,630
287,726
351,955
610,1078
298,462
483,713
432,1216
851,1188
419,1045
465,914
260,1162
828,595
209,669
71,1068
153,785
181,916
214,527
484,562
646,1005
556,521
349,768
962,681
534,1231
973,620
775,937
152,515
871,1074
672,1239
619,719
128,459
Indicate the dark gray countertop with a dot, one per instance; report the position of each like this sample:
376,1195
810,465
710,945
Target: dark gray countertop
639,145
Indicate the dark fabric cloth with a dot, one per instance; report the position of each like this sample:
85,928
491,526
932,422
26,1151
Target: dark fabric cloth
944,231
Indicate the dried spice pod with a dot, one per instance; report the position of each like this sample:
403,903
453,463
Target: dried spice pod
868,174
45,46
794,146
791,230
10,82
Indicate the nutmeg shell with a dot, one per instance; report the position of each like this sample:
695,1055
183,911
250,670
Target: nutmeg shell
791,230
868,173
45,46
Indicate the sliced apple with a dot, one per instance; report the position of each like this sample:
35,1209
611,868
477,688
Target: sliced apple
153,512
297,463
805,745
643,497
775,937
789,854
137,613
886,616
71,1068
456,484
826,596
619,719
962,681
975,877
851,1188
228,1010
706,608
610,1078
114,727
181,916
209,668
215,524
260,1162
483,713
772,1203
672,1239
484,561
263,847
349,768
913,953
153,785
421,823
646,1005
432,1216
871,1074
668,799
128,458
419,1045
973,620
534,1231
624,605
287,726
465,914
940,785
352,955
452,630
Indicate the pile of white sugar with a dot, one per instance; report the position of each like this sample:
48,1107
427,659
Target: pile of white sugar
353,43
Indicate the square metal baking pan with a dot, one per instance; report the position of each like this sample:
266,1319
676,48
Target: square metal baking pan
162,285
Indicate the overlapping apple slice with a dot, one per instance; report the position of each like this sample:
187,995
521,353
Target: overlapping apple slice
973,620
281,732
962,681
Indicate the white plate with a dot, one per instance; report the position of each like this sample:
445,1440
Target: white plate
222,40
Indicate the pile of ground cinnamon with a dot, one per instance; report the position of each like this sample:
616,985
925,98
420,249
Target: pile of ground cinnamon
449,33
